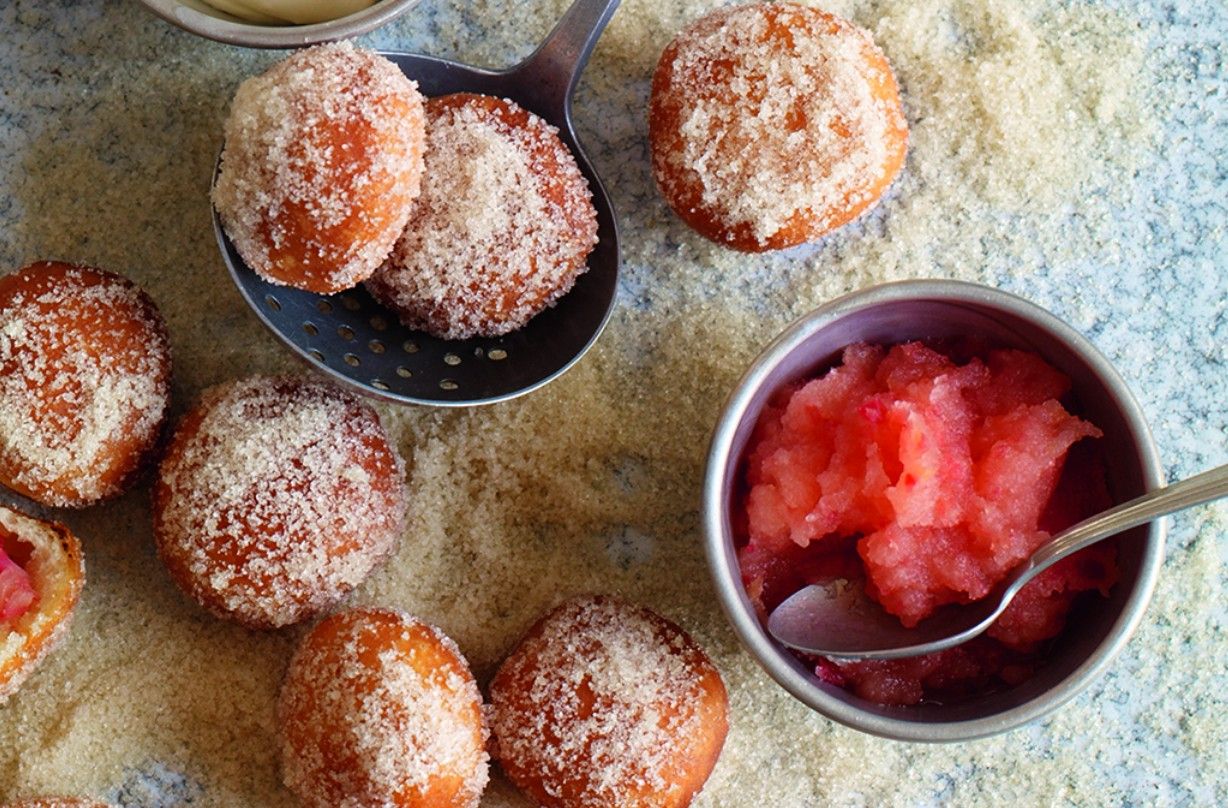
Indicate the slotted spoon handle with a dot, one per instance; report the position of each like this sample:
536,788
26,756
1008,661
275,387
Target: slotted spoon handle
548,76
12,500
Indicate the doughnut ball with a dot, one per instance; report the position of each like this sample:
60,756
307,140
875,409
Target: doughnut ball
85,370
605,703
772,124
321,165
502,229
276,497
380,709
41,575
57,802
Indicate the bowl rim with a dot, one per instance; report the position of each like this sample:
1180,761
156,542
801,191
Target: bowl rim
722,562
255,35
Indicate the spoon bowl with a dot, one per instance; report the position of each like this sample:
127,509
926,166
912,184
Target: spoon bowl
357,341
839,621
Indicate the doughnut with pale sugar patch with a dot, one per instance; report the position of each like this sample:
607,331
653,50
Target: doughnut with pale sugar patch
41,576
503,228
606,703
379,708
772,124
321,165
85,373
276,497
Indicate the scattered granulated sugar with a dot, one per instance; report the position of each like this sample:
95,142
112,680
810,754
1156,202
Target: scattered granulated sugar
1028,121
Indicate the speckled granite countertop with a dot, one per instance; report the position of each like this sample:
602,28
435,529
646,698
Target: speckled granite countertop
1095,185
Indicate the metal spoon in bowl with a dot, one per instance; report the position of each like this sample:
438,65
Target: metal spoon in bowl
838,620
355,340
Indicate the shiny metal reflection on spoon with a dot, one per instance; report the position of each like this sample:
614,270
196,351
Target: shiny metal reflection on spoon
839,620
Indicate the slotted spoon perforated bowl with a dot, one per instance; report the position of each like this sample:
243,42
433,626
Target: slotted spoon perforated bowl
355,340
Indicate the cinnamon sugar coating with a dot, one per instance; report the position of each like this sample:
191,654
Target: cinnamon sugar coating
502,229
277,497
85,369
380,710
772,124
322,163
606,703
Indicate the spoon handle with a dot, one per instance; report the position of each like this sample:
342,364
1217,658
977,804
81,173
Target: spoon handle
550,73
1196,490
12,500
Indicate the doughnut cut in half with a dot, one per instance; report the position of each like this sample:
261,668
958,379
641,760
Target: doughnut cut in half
605,703
41,576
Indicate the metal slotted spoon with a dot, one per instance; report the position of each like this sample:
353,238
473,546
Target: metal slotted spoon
355,340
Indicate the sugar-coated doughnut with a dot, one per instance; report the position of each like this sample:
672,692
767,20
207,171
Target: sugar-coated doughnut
606,703
85,370
380,709
321,165
57,802
502,229
772,124
41,575
277,496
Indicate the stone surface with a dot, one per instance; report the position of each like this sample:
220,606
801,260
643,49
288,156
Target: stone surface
110,123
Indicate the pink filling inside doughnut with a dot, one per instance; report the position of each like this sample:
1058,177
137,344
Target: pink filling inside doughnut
16,590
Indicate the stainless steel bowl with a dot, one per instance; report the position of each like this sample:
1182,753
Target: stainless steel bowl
898,312
201,18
